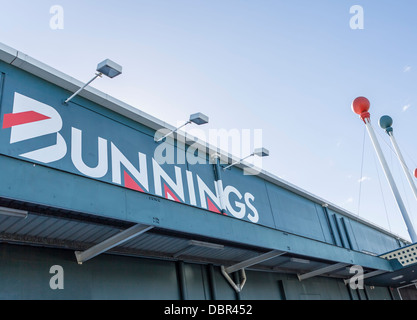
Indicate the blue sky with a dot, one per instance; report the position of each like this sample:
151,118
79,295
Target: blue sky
290,68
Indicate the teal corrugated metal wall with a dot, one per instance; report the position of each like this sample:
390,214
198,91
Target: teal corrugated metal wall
25,274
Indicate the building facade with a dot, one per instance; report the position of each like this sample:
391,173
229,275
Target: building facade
91,207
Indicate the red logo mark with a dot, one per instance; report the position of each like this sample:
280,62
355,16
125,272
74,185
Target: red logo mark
16,119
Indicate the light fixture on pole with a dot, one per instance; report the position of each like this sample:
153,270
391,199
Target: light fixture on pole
260,152
361,107
13,213
385,122
106,67
197,118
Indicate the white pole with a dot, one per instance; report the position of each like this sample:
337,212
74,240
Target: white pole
391,181
171,132
237,162
403,164
83,87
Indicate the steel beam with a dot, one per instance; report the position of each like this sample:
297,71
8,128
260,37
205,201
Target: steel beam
237,287
21,178
196,243
122,237
320,271
368,275
255,260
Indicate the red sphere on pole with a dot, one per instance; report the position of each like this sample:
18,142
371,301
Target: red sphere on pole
361,106
415,173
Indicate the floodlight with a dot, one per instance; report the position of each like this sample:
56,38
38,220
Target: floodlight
108,68
260,152
197,118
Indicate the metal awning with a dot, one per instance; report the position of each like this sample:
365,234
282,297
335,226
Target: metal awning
89,236
405,259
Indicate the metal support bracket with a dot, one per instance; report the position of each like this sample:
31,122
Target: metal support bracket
252,261
122,237
238,288
245,264
320,271
195,243
368,275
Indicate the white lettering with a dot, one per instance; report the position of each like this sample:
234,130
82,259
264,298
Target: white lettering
42,120
191,190
159,173
204,189
76,155
118,158
51,123
248,198
238,214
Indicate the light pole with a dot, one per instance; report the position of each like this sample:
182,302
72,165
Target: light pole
260,152
106,67
197,118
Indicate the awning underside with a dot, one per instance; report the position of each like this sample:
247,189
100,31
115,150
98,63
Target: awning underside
89,237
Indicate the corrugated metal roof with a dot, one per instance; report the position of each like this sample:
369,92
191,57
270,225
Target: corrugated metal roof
79,235
35,226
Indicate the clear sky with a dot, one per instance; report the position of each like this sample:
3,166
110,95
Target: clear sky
288,67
